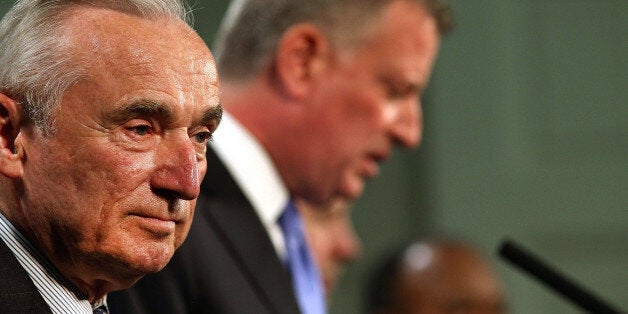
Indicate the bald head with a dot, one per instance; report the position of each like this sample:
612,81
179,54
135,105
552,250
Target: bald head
439,277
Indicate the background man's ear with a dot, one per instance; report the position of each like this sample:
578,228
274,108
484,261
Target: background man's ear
11,150
300,58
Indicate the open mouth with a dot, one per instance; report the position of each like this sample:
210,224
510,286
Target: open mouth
371,168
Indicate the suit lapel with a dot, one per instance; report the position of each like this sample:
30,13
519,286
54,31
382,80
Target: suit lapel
235,221
18,293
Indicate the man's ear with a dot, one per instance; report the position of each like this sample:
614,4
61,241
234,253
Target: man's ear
300,58
11,150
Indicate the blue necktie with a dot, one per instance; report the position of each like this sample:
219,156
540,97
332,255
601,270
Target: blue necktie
305,277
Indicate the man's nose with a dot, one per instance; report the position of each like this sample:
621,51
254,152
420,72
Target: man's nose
177,171
406,126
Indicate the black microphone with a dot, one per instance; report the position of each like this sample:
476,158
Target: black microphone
556,281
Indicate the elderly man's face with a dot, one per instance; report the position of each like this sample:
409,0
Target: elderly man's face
112,192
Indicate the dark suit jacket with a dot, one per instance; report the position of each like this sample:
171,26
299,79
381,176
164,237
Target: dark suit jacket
227,264
18,293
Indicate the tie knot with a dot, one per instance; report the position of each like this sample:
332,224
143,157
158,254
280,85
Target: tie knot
291,222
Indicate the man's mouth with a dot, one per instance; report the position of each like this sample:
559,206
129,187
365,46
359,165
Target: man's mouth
370,168
371,164
159,226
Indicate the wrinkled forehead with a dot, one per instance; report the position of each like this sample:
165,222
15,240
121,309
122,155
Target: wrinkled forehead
112,38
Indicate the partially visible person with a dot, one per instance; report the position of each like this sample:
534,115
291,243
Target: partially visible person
105,112
317,94
437,277
331,238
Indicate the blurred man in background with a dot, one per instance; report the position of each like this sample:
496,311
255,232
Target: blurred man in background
436,277
331,238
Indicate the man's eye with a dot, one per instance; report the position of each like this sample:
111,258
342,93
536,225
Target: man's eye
399,92
140,129
203,137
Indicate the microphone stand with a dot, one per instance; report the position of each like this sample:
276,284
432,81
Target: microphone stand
553,279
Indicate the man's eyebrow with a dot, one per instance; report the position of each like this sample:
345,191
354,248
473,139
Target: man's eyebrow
403,86
212,116
141,108
161,111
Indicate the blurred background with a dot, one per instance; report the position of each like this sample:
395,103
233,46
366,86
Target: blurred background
525,138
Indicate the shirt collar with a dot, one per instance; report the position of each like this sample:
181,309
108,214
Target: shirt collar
60,295
252,169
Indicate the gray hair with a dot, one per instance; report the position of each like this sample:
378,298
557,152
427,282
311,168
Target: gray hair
35,66
251,29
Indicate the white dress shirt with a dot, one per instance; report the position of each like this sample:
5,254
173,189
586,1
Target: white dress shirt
61,296
255,173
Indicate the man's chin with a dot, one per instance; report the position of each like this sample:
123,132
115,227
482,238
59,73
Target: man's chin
122,271
352,189
150,259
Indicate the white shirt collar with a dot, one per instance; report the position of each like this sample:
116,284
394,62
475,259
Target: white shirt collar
60,295
255,173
